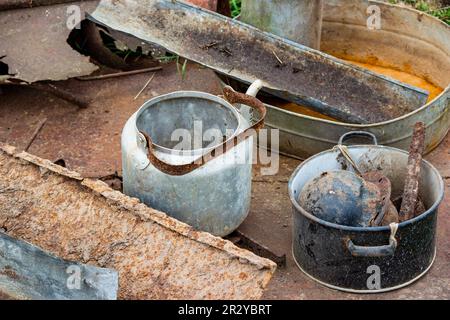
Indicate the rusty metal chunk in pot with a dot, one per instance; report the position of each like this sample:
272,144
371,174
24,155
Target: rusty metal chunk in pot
390,216
343,198
388,213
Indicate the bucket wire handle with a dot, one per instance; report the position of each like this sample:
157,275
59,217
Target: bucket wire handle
232,97
346,154
344,150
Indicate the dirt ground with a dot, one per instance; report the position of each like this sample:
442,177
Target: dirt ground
88,141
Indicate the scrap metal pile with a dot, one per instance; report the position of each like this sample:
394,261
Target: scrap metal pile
64,236
359,199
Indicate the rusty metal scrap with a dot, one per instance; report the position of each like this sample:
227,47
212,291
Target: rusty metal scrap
34,44
306,76
245,241
27,272
388,213
83,220
411,190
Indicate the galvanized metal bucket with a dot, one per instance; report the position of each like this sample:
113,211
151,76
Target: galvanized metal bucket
347,258
205,183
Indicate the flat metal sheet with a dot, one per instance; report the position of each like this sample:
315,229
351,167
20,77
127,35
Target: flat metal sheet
289,70
27,272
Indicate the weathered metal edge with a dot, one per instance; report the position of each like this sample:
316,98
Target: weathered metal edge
142,211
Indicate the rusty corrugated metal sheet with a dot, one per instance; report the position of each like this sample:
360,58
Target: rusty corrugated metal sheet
156,256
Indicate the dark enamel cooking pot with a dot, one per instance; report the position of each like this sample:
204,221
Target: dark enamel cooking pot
366,260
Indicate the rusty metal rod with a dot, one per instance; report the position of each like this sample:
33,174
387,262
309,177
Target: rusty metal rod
80,102
36,132
119,74
411,191
60,93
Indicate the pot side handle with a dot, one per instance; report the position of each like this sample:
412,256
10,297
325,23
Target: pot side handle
379,251
358,134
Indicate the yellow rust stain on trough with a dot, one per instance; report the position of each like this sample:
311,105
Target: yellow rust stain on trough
405,77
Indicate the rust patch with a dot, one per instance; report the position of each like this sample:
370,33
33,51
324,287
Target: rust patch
243,276
388,212
9,272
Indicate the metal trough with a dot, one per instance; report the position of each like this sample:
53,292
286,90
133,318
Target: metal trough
84,220
409,40
289,70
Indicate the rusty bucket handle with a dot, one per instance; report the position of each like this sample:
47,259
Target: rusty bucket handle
180,170
358,134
